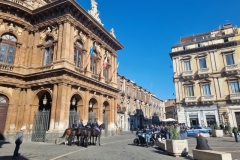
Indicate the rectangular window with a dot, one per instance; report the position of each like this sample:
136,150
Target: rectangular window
234,87
229,59
187,65
189,91
48,57
206,89
202,63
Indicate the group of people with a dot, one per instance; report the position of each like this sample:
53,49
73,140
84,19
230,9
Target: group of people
90,124
164,130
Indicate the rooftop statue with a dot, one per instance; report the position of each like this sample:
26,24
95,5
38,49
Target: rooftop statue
112,33
94,12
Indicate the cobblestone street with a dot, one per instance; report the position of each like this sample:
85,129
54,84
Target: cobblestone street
116,147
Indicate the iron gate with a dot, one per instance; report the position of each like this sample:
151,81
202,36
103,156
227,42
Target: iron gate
40,125
92,116
73,115
105,121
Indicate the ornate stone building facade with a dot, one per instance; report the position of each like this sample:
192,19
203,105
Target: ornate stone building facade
51,60
206,77
136,106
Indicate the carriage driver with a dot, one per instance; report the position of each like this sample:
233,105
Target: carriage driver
95,125
89,123
75,125
80,124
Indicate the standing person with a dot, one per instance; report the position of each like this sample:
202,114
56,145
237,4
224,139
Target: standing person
132,128
80,125
166,130
181,131
95,125
18,141
89,123
185,130
147,134
235,132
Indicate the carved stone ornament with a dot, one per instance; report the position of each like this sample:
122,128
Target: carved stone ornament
2,25
11,27
19,31
94,12
83,36
49,31
75,32
112,33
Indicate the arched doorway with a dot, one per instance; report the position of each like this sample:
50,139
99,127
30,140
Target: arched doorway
75,108
41,116
106,116
92,109
3,114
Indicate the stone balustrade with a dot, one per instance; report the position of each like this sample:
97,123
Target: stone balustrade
235,96
22,4
191,99
203,71
207,98
44,68
187,73
6,67
231,67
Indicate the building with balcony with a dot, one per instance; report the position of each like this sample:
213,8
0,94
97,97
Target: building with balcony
170,109
136,106
51,68
206,77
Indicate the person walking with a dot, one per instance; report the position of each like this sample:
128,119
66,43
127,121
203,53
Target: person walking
147,134
235,132
18,141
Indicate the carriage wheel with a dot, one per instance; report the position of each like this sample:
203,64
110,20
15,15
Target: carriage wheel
135,142
151,143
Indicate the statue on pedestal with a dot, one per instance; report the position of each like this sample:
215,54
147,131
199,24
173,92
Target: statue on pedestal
94,12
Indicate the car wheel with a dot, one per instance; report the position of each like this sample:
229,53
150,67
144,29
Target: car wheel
136,142
151,143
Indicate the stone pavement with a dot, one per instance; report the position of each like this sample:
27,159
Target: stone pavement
112,148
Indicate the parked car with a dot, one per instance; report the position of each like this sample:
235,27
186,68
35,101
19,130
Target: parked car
198,129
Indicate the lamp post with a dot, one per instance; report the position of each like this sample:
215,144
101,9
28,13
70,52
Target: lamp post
73,101
104,108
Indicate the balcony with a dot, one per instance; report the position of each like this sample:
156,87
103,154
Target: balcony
191,100
232,69
203,72
187,74
235,97
207,99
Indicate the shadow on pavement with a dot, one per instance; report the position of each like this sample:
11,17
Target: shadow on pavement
162,152
2,143
10,158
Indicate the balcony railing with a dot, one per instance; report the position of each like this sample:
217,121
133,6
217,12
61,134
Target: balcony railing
235,96
187,73
207,98
203,71
22,4
231,67
6,67
190,99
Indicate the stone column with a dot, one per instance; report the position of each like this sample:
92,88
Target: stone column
29,49
67,108
27,108
65,40
60,122
87,60
34,51
100,113
54,107
85,107
71,45
60,38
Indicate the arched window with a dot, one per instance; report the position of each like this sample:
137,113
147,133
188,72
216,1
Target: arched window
7,48
93,66
49,50
78,54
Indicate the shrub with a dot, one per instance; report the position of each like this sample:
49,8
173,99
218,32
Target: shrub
174,133
215,127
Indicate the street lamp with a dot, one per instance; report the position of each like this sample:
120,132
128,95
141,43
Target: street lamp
45,100
104,107
73,101
90,105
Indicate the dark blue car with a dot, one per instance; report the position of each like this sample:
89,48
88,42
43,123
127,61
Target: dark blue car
198,129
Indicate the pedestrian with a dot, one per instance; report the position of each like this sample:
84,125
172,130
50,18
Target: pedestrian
18,141
235,132
75,125
147,135
202,143
132,128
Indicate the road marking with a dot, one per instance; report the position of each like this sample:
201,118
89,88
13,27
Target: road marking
87,148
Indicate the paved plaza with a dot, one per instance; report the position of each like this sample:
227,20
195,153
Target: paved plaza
116,147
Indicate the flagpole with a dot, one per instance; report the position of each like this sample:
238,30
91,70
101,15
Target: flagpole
114,72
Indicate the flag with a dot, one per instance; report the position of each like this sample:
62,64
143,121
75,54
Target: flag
105,62
116,68
92,49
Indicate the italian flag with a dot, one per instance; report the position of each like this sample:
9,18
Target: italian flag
105,63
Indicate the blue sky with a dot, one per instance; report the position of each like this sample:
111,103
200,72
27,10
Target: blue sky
148,30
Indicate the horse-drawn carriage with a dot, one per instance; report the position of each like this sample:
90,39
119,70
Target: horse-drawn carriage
140,138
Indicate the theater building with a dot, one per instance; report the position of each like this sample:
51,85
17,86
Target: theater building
51,68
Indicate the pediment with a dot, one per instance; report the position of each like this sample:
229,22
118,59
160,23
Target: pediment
232,78
204,81
186,57
189,82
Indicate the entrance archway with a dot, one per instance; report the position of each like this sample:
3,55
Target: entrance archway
3,114
92,109
42,113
